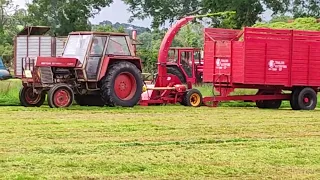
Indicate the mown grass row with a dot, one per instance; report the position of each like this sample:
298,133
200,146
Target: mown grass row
158,143
9,94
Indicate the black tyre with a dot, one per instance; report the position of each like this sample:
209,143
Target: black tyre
199,78
294,99
192,97
29,99
273,104
307,99
175,71
260,104
60,96
122,85
268,104
89,100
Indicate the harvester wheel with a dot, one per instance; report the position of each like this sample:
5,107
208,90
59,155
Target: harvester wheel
30,99
176,72
307,99
122,85
88,100
294,99
60,95
192,98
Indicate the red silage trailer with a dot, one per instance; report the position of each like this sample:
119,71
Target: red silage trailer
270,60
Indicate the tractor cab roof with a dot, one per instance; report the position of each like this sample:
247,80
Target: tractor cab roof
97,33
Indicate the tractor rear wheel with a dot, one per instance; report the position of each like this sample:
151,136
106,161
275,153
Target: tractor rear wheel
176,72
307,99
122,85
89,100
60,96
30,99
192,98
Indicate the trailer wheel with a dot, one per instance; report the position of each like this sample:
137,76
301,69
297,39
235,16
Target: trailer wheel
176,72
273,104
307,99
88,100
192,98
60,95
268,104
29,99
294,99
260,104
122,85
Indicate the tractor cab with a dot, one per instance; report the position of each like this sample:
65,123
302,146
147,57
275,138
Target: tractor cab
90,48
185,63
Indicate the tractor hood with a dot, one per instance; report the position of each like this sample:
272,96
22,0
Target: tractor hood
56,62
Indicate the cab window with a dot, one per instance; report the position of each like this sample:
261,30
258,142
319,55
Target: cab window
117,45
97,45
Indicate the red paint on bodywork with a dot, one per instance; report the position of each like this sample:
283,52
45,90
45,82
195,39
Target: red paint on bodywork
56,62
266,57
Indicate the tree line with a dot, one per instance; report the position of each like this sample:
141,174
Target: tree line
73,15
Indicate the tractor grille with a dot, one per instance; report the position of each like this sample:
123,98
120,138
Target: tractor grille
46,75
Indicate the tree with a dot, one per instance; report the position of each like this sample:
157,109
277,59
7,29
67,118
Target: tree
306,8
248,11
8,29
160,11
190,35
108,28
6,8
64,16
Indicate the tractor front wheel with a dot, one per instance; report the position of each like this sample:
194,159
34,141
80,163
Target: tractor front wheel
60,96
122,85
30,99
192,98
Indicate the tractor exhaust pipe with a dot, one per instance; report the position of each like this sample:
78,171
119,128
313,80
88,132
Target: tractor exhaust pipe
134,37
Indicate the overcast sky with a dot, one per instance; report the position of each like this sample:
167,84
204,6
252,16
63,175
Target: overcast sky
117,12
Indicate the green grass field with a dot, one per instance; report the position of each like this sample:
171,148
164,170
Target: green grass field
159,142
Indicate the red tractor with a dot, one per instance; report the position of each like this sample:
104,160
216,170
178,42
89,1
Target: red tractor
185,63
95,68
